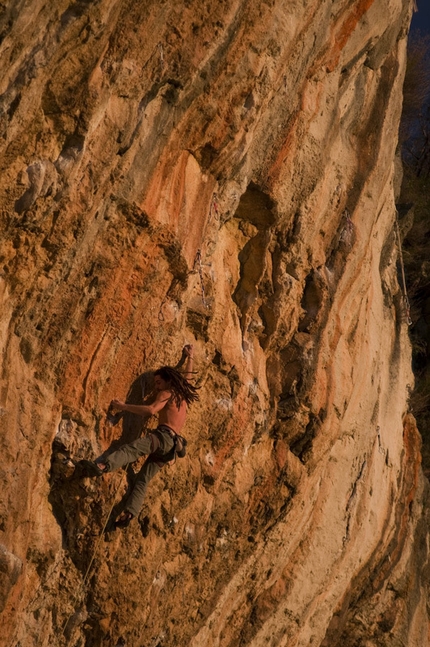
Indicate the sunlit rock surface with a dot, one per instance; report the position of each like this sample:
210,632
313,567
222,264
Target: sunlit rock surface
222,174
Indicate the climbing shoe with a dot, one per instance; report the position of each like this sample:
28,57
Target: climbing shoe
123,520
90,468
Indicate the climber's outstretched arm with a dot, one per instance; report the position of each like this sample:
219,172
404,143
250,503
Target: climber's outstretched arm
145,410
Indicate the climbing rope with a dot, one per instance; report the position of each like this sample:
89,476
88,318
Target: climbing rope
406,303
84,581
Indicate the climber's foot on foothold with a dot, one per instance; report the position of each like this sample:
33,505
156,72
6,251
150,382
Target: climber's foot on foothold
124,519
90,468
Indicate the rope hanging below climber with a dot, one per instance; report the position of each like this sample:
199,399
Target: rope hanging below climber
174,393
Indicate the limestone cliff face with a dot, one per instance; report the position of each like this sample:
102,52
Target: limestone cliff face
217,173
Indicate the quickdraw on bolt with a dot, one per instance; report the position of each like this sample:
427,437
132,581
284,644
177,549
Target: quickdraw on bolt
198,264
161,54
214,207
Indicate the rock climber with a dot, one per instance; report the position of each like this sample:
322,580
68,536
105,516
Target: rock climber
173,394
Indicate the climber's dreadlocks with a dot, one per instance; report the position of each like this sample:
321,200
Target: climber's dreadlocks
181,388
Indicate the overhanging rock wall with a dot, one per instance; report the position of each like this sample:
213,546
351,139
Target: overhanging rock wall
219,174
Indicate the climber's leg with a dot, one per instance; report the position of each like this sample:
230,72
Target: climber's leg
148,471
128,453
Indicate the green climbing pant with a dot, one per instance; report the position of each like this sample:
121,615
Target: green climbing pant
155,445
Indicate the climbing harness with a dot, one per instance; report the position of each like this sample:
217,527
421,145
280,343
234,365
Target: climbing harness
179,448
406,303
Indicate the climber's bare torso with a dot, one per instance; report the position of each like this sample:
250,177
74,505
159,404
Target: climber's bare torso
168,402
170,414
164,405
